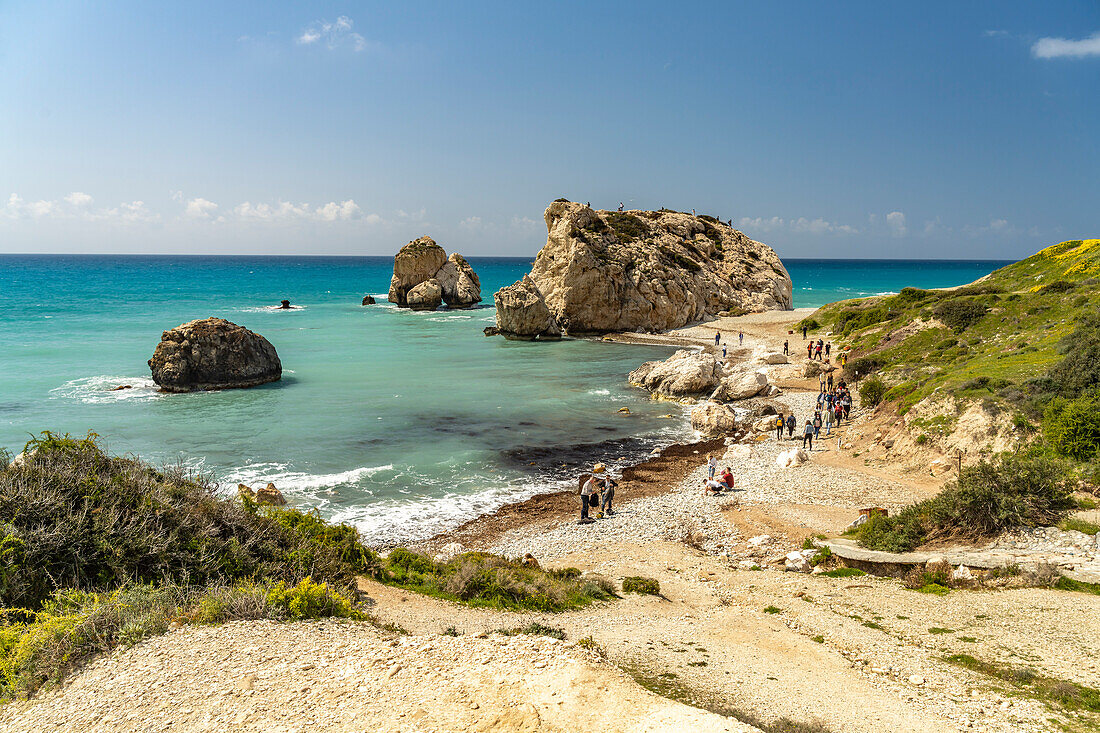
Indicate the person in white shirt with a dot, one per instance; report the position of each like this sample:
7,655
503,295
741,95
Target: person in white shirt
712,466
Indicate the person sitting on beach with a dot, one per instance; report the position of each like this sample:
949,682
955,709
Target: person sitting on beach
808,436
727,477
710,486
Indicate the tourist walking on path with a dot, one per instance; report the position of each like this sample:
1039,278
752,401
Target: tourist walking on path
829,381
828,346
810,350
717,337
723,351
740,338
803,333
786,348
828,421
791,423
779,426
712,466
817,424
808,436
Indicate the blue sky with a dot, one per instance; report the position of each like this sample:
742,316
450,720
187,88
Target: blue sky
856,129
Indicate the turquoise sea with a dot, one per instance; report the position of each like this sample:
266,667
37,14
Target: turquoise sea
402,423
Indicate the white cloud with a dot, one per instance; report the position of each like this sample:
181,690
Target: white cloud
896,221
470,222
287,211
200,208
1058,48
77,198
336,34
995,33
801,225
134,212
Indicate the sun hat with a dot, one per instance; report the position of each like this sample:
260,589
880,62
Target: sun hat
598,468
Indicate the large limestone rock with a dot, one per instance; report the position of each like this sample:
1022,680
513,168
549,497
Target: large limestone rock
711,419
522,313
606,271
684,374
461,285
414,263
740,386
792,458
422,260
428,295
213,353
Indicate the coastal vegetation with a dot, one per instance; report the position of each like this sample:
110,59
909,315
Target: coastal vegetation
1023,341
989,497
100,551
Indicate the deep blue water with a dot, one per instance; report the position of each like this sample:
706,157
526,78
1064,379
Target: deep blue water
400,422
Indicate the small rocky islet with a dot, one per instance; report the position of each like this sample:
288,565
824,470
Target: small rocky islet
213,354
424,278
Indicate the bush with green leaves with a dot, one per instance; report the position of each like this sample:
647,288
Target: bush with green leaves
1072,427
871,392
73,517
960,313
641,585
988,498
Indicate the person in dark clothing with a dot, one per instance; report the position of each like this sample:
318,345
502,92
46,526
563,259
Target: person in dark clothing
779,422
803,333
817,424
810,350
791,423
717,337
808,436
829,381
828,346
786,348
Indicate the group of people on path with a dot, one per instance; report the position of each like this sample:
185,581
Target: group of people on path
832,408
597,489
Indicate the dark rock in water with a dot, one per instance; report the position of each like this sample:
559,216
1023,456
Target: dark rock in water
284,305
563,461
368,300
213,353
121,386
491,331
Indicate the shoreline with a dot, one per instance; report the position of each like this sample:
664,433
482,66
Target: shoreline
654,476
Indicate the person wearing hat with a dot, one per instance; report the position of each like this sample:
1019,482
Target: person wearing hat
608,494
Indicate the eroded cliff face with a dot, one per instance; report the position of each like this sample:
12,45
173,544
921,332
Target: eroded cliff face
425,278
604,271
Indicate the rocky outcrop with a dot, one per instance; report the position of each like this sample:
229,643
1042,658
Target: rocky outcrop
427,296
368,300
711,419
213,353
461,285
522,313
423,261
606,271
740,386
684,374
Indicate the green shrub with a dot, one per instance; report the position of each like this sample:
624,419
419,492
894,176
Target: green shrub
862,367
772,609
310,600
73,517
627,227
988,498
644,586
1072,427
484,580
871,392
843,573
1079,370
810,324
960,314
535,629
921,439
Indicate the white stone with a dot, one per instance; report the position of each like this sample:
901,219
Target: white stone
962,573
792,458
759,540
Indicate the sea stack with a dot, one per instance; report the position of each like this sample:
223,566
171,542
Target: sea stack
603,271
425,278
213,353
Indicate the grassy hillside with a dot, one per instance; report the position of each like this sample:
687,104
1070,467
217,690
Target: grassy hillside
1001,338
